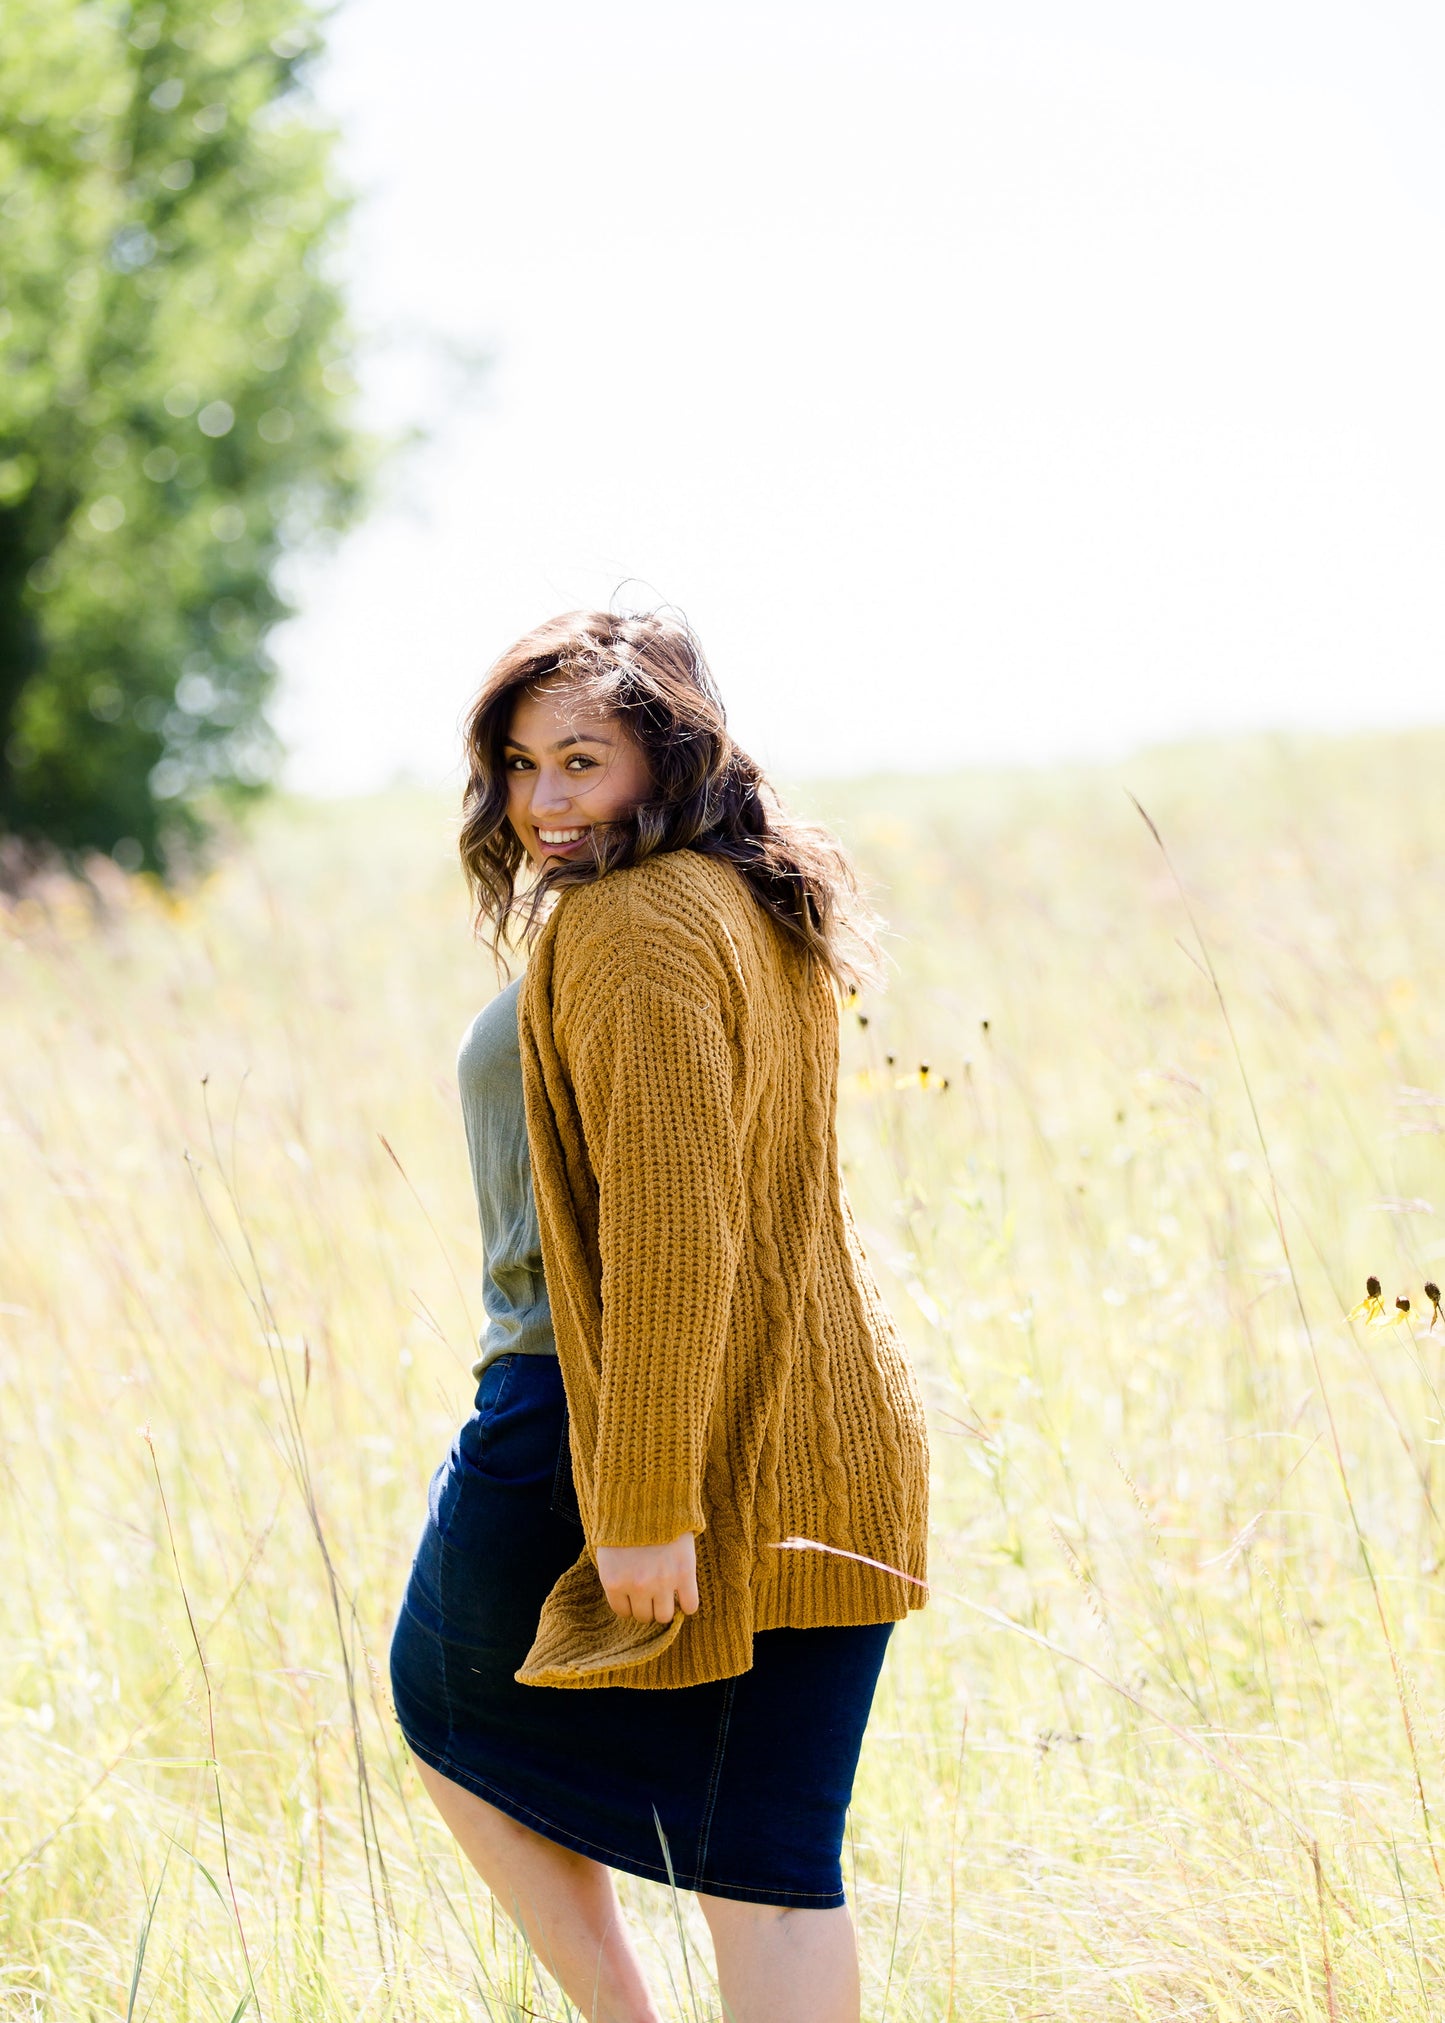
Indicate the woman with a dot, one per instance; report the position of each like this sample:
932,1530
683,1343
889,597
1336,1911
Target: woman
612,1653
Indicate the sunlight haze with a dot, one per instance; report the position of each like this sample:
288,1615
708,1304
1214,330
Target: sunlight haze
979,396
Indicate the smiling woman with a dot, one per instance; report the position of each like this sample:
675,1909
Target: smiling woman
614,1650
614,725
568,770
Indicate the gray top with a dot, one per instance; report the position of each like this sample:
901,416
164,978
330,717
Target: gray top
514,1292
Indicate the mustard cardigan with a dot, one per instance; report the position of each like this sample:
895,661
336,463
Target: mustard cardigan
729,1365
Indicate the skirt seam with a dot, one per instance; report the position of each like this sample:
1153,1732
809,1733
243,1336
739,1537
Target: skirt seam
629,1864
710,1803
444,1649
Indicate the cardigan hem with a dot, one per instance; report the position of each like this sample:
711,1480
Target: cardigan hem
808,1591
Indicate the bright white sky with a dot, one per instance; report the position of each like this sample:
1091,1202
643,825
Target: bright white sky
985,382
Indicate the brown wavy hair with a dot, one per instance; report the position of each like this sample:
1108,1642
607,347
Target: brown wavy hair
646,670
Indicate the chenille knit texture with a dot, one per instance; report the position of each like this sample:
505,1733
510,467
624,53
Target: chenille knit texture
729,1364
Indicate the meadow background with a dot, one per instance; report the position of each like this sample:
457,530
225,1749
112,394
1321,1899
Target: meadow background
1169,1740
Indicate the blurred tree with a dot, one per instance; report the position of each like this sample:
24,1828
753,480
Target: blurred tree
175,404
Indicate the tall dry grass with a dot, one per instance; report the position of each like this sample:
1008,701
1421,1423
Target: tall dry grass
1170,1739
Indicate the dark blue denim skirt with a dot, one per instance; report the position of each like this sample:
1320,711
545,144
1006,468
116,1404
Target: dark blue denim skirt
742,1784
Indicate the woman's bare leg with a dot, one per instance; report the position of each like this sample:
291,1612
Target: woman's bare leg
783,1966
563,1902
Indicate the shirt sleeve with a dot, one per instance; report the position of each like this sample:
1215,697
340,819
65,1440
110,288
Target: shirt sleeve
654,1085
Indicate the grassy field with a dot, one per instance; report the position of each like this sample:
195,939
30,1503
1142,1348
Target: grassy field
1169,1740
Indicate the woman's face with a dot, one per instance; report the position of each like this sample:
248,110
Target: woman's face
568,770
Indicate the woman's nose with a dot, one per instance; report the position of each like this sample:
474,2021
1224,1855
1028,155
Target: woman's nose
549,793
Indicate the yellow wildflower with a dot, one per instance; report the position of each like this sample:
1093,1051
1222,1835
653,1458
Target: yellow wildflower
1371,1308
1373,1311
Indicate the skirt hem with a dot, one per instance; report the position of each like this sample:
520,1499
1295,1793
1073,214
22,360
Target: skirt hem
830,1900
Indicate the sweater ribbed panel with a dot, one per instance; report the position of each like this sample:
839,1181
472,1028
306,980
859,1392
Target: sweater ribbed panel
730,1367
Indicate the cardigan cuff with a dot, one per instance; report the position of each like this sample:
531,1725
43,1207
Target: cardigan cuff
639,1512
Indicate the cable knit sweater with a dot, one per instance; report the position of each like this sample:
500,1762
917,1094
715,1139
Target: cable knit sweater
729,1365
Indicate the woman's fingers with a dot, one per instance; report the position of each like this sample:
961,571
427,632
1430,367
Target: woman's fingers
683,1573
646,1604
619,1598
650,1582
656,1603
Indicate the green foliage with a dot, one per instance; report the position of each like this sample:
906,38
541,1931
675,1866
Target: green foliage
174,404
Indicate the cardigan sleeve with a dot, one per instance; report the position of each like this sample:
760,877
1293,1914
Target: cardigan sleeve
654,1084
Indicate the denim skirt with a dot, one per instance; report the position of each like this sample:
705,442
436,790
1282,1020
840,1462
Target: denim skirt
740,1786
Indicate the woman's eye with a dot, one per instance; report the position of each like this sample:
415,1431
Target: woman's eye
579,762
517,763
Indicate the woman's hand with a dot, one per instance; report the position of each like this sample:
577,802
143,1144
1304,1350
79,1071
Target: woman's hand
650,1581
